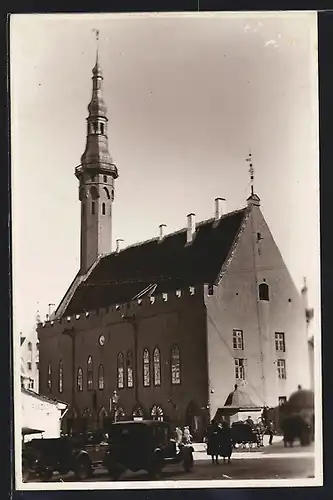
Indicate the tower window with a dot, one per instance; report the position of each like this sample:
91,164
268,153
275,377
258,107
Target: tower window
106,191
105,178
263,291
93,208
102,128
95,126
103,208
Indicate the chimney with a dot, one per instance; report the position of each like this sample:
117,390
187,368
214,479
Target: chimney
220,207
118,243
190,227
162,226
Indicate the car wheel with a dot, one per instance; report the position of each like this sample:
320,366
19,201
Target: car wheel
188,462
46,474
115,472
25,472
83,469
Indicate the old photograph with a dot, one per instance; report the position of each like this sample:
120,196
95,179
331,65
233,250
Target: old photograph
166,251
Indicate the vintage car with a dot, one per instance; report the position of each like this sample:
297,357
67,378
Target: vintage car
144,445
80,454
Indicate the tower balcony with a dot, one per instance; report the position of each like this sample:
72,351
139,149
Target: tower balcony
97,168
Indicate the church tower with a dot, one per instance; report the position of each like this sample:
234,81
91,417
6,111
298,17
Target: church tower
96,175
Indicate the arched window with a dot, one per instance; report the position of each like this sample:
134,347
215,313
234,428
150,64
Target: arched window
129,367
61,376
102,128
175,365
120,370
103,208
157,366
93,208
146,368
90,374
49,377
106,191
30,346
156,413
100,377
138,413
79,379
263,291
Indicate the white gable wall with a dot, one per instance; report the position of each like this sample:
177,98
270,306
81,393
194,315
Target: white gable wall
235,305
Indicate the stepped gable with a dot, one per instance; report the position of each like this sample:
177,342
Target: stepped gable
170,264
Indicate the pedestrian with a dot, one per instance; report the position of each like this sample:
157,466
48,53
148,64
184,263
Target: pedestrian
179,436
187,437
249,421
213,437
270,429
225,447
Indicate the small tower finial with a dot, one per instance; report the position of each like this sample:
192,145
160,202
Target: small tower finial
251,172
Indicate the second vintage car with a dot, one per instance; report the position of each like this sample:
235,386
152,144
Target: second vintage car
144,445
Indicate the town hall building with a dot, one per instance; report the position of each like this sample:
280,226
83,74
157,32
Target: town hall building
166,328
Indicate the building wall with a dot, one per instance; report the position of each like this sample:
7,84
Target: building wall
178,320
40,414
30,359
236,305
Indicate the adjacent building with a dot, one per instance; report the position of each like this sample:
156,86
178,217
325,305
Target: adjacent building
166,328
29,350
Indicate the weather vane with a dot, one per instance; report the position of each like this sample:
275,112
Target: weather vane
251,171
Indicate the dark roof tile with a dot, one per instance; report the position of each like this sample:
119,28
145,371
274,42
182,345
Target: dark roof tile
169,263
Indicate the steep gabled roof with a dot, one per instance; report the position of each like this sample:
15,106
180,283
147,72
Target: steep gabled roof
169,264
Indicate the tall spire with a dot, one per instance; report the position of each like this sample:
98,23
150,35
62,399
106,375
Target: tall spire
96,175
96,155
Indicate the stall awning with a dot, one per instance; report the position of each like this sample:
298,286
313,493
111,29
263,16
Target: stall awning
27,430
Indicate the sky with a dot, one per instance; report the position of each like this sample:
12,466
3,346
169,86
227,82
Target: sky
188,97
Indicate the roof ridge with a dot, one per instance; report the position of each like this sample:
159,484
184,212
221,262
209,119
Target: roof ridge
178,231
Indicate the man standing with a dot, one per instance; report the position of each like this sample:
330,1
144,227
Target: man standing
270,429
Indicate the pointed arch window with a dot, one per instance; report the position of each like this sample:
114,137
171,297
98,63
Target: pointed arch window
100,377
263,292
120,370
157,366
79,380
129,368
61,376
175,365
90,374
49,377
103,208
146,368
157,413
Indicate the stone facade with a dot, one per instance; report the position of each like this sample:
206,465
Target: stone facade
200,320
